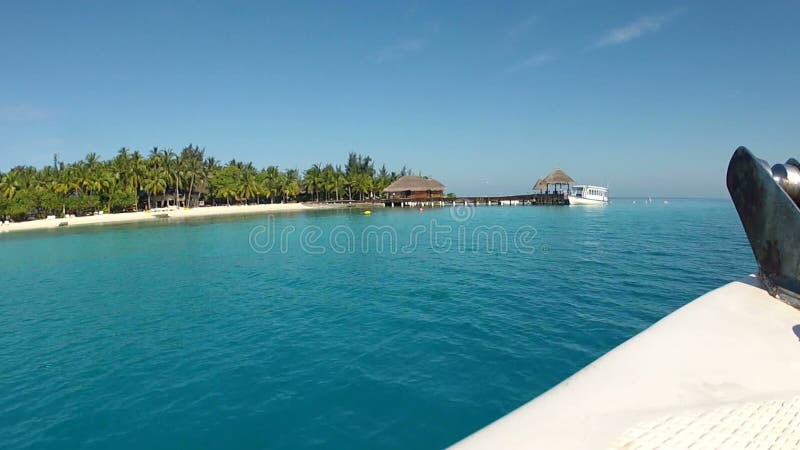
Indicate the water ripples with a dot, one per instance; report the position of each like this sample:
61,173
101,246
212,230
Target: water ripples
181,336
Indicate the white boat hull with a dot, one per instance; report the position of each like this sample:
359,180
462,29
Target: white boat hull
681,381
585,201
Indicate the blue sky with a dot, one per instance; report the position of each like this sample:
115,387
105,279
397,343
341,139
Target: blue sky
650,98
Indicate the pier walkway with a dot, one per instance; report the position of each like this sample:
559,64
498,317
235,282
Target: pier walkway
557,198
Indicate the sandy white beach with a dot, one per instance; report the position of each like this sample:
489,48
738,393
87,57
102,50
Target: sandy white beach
206,211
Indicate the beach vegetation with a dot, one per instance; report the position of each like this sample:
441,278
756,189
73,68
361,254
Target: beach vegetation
133,181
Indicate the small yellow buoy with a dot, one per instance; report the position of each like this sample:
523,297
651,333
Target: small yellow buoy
367,212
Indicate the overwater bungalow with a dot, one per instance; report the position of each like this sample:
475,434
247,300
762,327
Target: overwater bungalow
415,188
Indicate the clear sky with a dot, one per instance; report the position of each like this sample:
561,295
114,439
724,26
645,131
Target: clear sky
650,98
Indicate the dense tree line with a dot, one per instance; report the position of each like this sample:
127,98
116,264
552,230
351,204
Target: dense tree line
132,181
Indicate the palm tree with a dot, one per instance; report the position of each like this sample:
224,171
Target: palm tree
85,178
328,181
110,183
154,157
192,159
61,183
363,184
248,185
291,185
210,169
340,182
281,180
138,169
171,163
92,160
268,179
154,183
227,188
10,184
211,164
70,180
313,180
226,182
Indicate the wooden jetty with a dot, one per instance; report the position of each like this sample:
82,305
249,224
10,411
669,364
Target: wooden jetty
538,199
417,191
411,191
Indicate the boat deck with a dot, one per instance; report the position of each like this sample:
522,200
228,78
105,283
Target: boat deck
721,372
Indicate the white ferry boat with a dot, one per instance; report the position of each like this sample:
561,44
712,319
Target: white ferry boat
588,195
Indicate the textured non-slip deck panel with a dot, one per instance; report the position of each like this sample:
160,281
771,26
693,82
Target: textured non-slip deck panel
767,425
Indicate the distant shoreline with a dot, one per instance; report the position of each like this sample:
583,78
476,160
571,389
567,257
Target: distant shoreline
155,215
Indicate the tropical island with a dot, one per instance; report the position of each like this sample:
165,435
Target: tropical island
132,182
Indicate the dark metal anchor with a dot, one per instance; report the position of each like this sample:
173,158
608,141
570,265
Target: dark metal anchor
767,201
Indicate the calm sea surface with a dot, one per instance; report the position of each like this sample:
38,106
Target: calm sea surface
303,332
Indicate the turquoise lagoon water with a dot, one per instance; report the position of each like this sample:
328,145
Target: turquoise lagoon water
199,335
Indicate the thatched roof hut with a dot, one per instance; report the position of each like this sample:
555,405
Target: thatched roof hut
415,184
415,188
556,178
